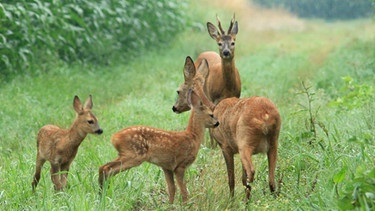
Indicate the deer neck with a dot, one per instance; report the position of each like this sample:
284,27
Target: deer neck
76,135
229,72
196,127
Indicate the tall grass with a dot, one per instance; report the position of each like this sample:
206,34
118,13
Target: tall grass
330,168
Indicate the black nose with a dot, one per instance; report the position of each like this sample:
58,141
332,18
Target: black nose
226,53
174,109
100,131
217,124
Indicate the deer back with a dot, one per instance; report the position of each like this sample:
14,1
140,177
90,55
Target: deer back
247,121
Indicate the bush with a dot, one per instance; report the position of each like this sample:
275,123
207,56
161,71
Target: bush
36,32
326,9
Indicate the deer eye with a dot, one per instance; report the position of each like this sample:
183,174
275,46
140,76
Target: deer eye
90,122
232,43
220,44
211,115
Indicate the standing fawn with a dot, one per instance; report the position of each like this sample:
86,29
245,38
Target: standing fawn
172,151
247,126
59,146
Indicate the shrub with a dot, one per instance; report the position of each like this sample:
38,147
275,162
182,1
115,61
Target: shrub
36,32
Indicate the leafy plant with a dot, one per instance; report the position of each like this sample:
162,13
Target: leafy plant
34,33
359,192
354,95
311,121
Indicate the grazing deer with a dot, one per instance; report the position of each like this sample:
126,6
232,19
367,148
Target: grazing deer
172,151
59,146
247,126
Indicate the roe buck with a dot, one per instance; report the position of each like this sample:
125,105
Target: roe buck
172,151
223,80
59,146
247,126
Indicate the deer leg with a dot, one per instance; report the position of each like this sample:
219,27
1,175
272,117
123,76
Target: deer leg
116,166
55,176
248,169
180,172
213,142
272,157
245,183
64,175
170,183
229,161
39,164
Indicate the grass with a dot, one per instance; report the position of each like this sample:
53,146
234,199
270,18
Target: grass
272,63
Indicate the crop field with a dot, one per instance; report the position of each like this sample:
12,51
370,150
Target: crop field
319,74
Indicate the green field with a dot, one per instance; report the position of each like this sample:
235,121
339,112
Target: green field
320,75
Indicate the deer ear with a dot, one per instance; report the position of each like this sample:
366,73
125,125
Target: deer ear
189,69
203,68
77,105
88,103
212,31
234,29
193,99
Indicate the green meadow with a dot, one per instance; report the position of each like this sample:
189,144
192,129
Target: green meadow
319,74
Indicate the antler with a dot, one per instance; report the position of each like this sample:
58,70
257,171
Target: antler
219,24
232,23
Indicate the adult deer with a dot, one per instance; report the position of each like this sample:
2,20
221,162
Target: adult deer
59,146
172,151
247,126
224,78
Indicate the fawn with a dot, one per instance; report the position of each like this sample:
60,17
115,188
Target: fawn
247,126
59,146
173,151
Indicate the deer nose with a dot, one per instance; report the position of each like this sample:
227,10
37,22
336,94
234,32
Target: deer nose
100,131
217,124
226,53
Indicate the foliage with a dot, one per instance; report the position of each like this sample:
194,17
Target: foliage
359,191
354,95
326,9
36,33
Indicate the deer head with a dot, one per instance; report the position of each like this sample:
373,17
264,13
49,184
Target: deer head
86,120
225,41
193,80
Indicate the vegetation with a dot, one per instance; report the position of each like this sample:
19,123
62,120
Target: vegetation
326,9
36,35
320,77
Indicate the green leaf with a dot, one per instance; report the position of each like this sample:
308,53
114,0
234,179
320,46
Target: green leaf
340,176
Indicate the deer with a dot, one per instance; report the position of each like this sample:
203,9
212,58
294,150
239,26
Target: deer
173,151
60,146
248,126
224,79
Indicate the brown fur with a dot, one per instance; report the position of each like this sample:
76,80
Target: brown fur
247,126
223,80
172,151
59,146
